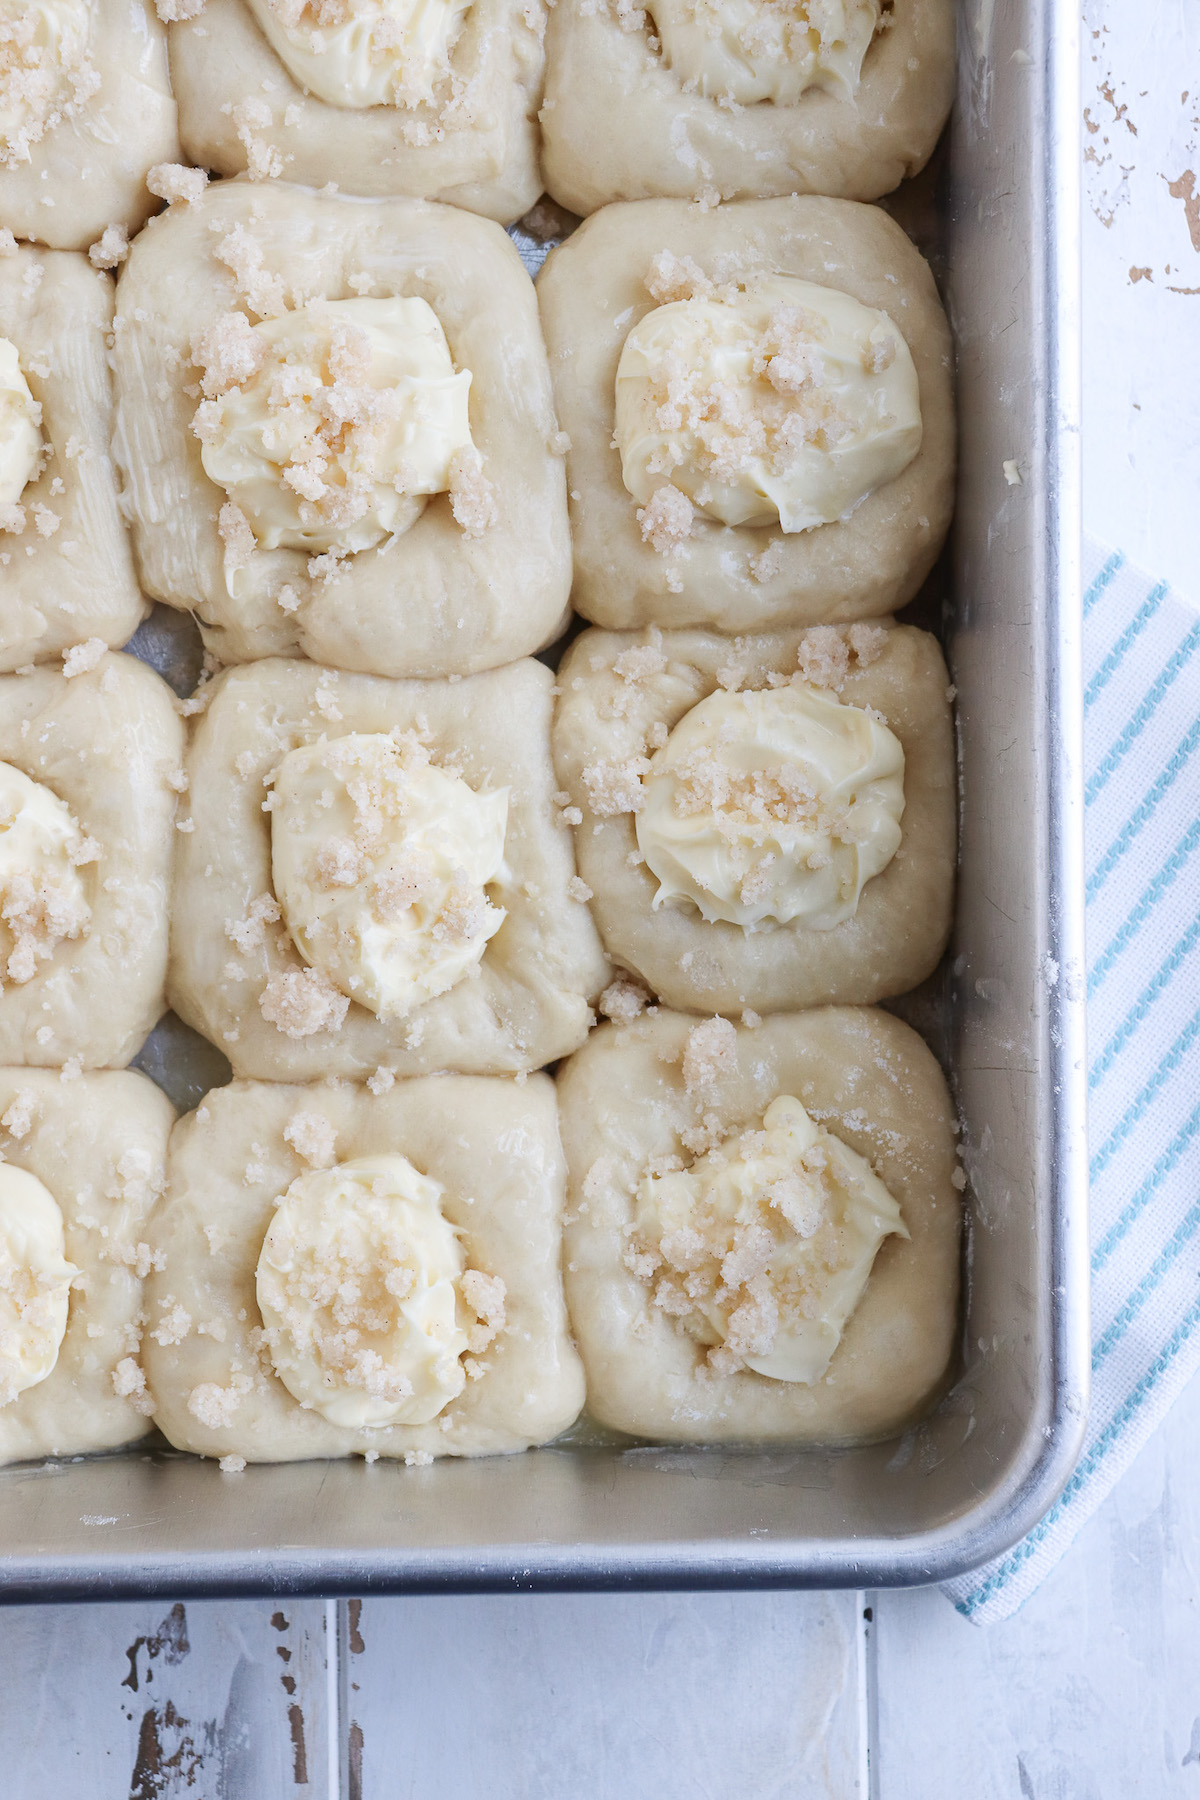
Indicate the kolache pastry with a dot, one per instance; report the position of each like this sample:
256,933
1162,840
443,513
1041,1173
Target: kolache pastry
336,431
66,568
762,1234
758,407
91,768
83,1163
436,99
766,822
86,116
339,1271
375,879
741,99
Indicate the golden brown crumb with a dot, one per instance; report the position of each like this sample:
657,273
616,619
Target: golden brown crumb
312,1137
302,1002
111,248
666,519
175,181
616,787
81,658
710,1052
624,1000
472,496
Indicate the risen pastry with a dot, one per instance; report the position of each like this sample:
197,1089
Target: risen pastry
759,410
83,1163
431,98
86,111
763,1228
338,1270
736,99
375,874
768,822
90,770
66,569
335,424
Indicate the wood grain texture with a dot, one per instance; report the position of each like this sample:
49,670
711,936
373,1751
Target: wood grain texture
216,1700
605,1697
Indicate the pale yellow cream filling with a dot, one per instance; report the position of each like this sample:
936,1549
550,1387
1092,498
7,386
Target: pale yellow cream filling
772,806
762,1249
784,403
359,53
331,426
381,862
752,50
35,1282
20,427
42,897
358,1287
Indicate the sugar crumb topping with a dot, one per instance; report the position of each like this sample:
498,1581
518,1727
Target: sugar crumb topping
302,1002
313,1138
709,1053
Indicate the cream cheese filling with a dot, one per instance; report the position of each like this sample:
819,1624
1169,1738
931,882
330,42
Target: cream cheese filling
332,425
42,897
20,427
782,403
358,1284
763,1248
381,862
752,50
772,806
359,53
35,1282
45,75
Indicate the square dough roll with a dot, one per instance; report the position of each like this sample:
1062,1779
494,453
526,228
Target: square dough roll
619,125
898,933
868,1079
592,292
108,743
89,170
99,1145
238,103
432,601
68,575
530,1001
494,1148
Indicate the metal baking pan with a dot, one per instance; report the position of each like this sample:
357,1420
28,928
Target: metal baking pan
999,213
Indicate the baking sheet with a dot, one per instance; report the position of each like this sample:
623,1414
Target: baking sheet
998,214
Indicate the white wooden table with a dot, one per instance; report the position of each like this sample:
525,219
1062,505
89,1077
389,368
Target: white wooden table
1091,1693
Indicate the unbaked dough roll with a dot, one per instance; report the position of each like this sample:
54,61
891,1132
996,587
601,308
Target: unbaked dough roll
789,355
336,431
66,566
457,123
836,1269
83,1163
486,1158
768,822
626,120
87,113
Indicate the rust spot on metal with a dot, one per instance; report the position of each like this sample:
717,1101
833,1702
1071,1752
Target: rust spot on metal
279,1622
299,1753
1136,275
157,1772
289,1683
354,1787
354,1616
283,1653
1184,188
170,1642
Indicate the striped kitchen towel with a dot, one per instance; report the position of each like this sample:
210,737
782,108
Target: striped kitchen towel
1142,794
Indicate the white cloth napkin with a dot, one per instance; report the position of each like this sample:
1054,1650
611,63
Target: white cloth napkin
1142,794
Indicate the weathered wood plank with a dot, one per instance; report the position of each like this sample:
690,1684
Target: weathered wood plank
216,1700
605,1697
